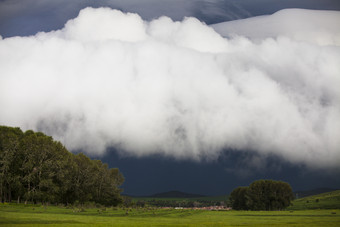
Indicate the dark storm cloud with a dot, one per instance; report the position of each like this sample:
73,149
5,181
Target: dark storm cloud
26,17
154,174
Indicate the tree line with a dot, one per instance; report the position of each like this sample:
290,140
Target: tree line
262,195
177,203
35,168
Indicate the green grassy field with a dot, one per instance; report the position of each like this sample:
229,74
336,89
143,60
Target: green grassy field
328,200
29,215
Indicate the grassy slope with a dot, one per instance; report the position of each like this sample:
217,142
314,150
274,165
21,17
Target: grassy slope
15,215
328,200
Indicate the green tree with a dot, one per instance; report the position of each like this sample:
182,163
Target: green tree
84,178
9,177
262,195
35,167
269,195
107,183
238,199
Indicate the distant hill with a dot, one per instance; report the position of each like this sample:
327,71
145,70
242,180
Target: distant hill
175,194
301,194
327,200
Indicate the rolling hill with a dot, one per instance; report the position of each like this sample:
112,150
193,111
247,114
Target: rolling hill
327,200
305,193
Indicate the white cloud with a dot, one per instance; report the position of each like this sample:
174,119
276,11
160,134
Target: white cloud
320,27
175,88
113,25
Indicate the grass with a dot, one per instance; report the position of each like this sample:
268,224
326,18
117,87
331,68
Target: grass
328,200
29,215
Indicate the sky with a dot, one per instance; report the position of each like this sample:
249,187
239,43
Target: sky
197,96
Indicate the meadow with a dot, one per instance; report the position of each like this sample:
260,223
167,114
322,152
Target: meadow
38,215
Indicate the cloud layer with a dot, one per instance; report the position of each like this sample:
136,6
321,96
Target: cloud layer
26,17
319,27
176,88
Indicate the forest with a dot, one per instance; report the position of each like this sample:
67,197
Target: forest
36,169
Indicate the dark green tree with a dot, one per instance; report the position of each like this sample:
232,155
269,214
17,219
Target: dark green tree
10,179
107,181
262,195
269,195
238,198
38,169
